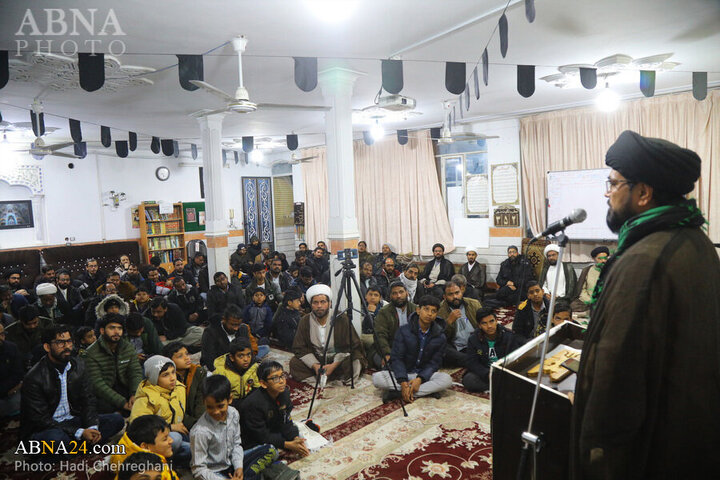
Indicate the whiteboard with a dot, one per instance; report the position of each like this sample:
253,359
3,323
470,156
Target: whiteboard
571,189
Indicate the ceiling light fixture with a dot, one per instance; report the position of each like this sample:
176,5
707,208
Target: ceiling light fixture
376,131
257,156
607,100
332,11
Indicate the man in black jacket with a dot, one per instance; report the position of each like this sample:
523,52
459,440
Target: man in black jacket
513,277
217,337
222,295
276,276
416,356
47,414
266,413
487,344
11,363
67,296
170,323
437,272
287,318
91,278
189,300
530,311
320,266
474,271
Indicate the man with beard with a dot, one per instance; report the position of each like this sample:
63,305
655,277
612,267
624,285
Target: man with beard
125,289
473,271
92,278
388,320
253,249
386,251
47,303
409,278
312,334
113,367
367,279
567,280
133,276
302,250
437,272
189,301
58,404
648,385
513,277
154,284
26,333
171,324
47,275
13,277
272,293
277,277
300,261
67,295
588,279
386,276
239,256
459,313
197,270
320,266
217,337
222,295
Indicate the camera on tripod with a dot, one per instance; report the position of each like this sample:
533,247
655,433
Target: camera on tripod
347,255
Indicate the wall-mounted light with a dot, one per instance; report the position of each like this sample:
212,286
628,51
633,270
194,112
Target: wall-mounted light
376,131
607,100
115,198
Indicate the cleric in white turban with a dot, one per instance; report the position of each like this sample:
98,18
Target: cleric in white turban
552,268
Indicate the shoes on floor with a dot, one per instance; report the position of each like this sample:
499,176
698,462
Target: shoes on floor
390,395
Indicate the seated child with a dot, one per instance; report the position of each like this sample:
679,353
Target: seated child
192,376
258,315
217,450
141,466
373,298
147,434
487,344
240,368
562,313
161,394
141,303
287,318
142,335
84,337
266,413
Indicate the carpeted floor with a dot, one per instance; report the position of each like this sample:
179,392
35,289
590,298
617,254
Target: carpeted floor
446,438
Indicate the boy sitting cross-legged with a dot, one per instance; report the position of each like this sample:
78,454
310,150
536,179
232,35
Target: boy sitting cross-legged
217,450
240,368
148,434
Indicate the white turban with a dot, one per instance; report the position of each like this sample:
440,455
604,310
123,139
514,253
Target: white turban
551,248
471,249
46,289
318,289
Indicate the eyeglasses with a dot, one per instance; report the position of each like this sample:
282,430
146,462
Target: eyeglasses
612,185
62,343
276,378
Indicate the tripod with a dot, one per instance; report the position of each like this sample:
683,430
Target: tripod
347,281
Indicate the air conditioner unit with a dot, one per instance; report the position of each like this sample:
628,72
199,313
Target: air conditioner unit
396,103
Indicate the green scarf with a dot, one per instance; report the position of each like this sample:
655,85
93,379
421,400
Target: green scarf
668,217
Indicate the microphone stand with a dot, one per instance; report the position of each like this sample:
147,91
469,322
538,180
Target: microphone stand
530,439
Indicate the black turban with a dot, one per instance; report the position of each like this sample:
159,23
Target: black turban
659,163
598,250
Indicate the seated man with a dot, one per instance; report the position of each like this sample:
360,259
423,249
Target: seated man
459,315
155,262
192,376
91,279
10,304
147,434
222,295
409,277
530,311
386,251
217,450
473,271
320,266
562,313
311,338
155,284
300,261
180,271
125,289
416,356
142,336
486,345
258,315
272,293
217,337
12,277
287,318
11,363
47,302
367,279
26,334
513,277
567,278
467,290
47,275
196,271
113,367
437,272
266,413
386,276
388,320
239,366
110,304
277,277
67,295
189,300
363,254
91,316
170,323
58,402
588,278
133,276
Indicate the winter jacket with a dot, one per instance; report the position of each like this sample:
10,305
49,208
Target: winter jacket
284,279
259,319
189,302
272,294
173,325
129,449
126,290
89,285
478,350
150,340
383,281
386,326
241,383
215,343
264,420
524,321
106,370
406,348
218,300
447,270
194,402
11,363
66,304
53,312
41,395
284,325
155,400
100,308
520,272
472,306
26,341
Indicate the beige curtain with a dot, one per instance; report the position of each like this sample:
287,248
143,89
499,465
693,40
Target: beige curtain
317,208
578,139
397,195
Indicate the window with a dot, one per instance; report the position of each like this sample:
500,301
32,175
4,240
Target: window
466,183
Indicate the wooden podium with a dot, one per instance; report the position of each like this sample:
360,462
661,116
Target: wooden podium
511,395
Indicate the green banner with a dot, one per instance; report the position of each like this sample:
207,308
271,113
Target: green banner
194,216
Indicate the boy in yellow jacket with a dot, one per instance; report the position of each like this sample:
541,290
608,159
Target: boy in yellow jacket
240,368
147,434
162,395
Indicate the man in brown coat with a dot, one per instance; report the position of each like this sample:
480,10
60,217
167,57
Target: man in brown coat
459,313
648,387
345,355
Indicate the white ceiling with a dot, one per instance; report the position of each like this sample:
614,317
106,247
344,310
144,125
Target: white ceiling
564,32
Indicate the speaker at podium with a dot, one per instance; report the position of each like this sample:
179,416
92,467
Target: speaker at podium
512,386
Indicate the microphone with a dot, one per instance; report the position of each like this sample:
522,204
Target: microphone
577,216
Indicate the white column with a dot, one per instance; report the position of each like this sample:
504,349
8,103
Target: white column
216,231
337,87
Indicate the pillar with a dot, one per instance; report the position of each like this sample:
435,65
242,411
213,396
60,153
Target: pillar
337,87
216,225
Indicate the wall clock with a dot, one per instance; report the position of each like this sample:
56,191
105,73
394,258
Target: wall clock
162,173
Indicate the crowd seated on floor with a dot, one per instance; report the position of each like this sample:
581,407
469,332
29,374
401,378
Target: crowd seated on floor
86,355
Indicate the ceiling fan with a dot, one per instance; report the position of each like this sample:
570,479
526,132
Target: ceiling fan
39,149
240,102
447,136
294,160
262,143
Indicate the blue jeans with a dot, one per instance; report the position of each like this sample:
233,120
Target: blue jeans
262,351
108,424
